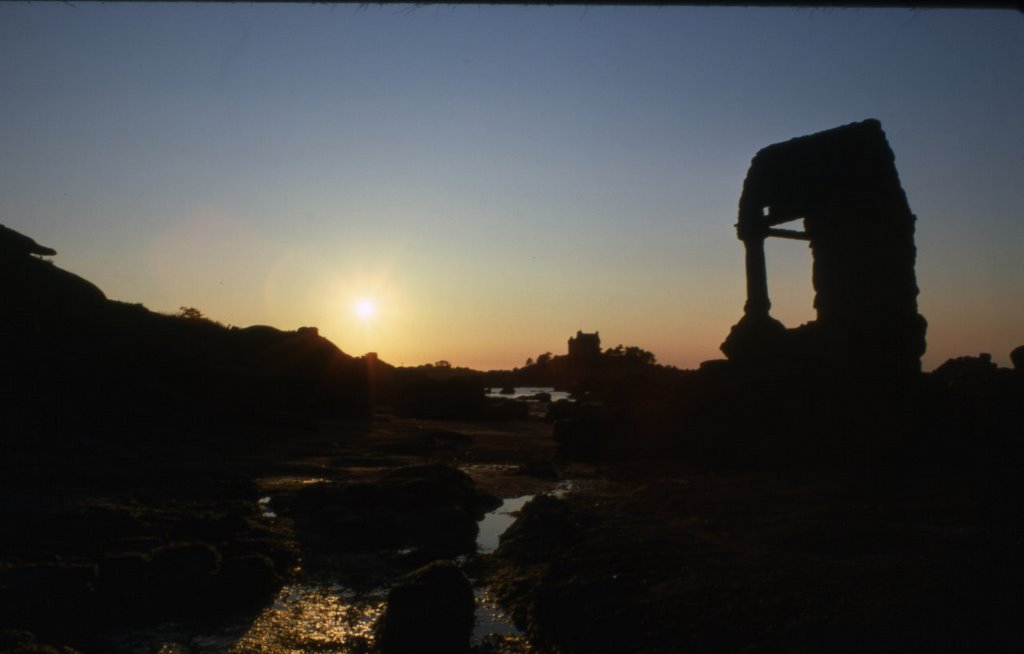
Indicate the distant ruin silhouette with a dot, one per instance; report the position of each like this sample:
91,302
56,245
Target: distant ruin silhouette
584,345
843,184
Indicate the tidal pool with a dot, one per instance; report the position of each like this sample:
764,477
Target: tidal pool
497,521
324,617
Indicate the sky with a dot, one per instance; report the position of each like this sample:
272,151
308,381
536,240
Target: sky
477,183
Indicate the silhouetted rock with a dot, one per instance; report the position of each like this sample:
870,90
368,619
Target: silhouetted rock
182,576
543,527
247,581
429,610
433,508
1017,358
13,244
967,371
843,184
75,362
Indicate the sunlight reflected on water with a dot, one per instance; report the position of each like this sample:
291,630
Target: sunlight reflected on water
314,618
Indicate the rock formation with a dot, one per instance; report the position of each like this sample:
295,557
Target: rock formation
430,610
843,184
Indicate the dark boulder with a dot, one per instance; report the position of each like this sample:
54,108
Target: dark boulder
429,507
433,485
429,610
544,526
55,597
182,576
124,581
247,581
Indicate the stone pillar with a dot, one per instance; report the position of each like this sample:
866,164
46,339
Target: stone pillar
758,304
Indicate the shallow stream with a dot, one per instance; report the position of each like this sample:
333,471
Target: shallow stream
327,618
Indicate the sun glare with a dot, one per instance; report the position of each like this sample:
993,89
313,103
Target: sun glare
365,309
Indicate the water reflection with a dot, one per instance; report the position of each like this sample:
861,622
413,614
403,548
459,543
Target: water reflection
496,522
265,510
492,620
311,617
523,392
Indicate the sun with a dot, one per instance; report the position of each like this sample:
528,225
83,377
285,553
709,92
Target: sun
365,308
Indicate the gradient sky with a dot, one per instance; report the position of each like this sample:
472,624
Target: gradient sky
495,178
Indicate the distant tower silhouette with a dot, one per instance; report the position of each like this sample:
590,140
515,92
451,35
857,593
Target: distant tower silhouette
584,346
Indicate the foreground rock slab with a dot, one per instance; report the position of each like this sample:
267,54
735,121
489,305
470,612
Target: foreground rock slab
429,610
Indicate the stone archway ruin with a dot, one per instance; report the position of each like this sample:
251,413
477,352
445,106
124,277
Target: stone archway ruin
842,183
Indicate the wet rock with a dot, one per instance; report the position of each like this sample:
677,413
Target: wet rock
189,560
182,575
209,527
124,580
544,526
432,485
247,581
82,528
283,554
430,610
14,641
432,507
48,595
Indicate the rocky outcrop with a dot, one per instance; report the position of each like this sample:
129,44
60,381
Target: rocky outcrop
430,508
430,610
76,362
842,183
1017,358
16,244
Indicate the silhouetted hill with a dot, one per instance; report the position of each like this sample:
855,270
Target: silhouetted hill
75,362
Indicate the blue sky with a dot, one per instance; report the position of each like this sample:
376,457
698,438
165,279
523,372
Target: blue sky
495,178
